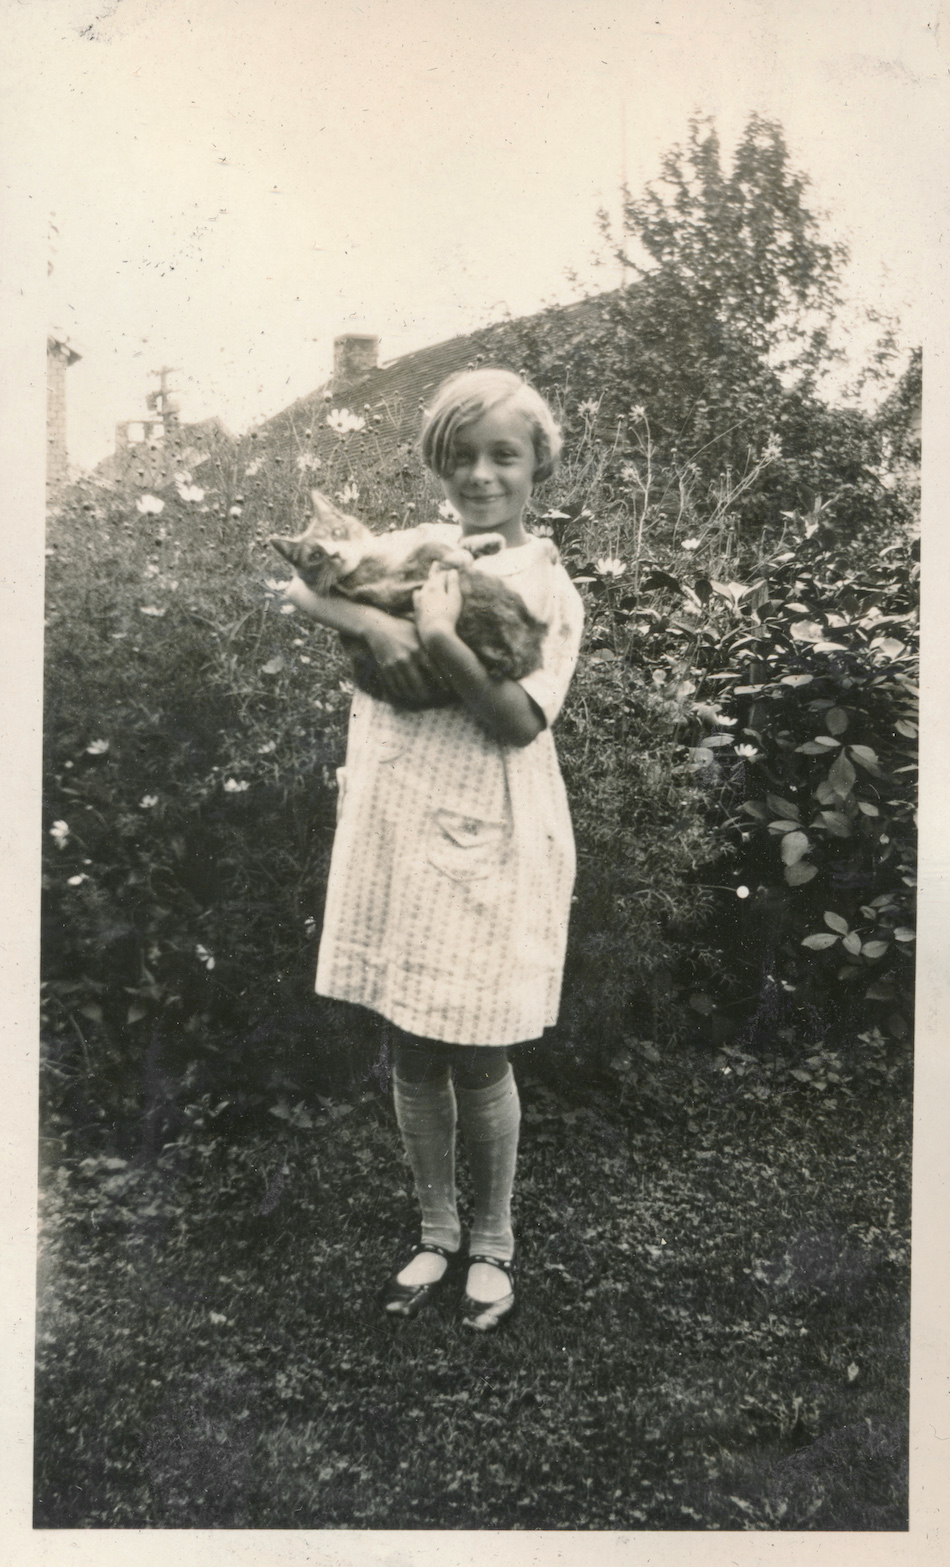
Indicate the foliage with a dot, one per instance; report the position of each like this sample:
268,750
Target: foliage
824,690
194,730
742,734
192,734
363,467
738,258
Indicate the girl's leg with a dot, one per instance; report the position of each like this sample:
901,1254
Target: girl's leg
426,1114
490,1116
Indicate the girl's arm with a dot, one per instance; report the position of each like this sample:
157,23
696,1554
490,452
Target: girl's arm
501,707
405,671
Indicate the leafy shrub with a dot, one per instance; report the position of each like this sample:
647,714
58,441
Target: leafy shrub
193,730
739,744
741,722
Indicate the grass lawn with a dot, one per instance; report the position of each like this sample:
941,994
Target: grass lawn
712,1330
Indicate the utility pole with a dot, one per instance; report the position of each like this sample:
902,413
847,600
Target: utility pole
161,402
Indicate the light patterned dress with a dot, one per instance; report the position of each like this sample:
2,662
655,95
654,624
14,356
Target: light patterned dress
453,863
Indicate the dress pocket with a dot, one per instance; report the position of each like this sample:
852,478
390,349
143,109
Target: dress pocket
465,848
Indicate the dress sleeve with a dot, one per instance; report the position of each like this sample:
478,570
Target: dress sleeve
548,685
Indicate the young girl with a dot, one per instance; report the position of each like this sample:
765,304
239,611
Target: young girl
453,863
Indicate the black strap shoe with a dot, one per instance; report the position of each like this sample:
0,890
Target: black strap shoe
484,1316
407,1300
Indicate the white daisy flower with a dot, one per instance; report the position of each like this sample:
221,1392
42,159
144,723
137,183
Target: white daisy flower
609,566
342,422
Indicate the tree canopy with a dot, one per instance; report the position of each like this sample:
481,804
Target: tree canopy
723,332
740,249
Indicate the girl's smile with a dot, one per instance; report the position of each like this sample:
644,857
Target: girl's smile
493,474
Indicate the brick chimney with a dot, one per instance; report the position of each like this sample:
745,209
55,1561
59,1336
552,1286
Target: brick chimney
355,354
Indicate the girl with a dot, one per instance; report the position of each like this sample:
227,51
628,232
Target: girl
453,863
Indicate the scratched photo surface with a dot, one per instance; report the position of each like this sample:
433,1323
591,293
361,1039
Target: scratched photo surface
658,843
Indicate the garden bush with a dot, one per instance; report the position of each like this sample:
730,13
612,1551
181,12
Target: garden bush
192,735
737,745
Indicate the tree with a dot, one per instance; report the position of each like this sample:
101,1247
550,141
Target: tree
742,255
724,333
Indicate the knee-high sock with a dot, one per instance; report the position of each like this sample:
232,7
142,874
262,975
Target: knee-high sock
490,1118
426,1116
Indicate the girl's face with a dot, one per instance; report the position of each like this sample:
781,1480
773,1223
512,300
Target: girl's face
493,473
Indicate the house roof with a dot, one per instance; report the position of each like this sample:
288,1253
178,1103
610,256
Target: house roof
187,447
396,392
391,397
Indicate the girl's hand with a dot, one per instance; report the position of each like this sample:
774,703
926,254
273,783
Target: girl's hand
402,666
406,673
437,604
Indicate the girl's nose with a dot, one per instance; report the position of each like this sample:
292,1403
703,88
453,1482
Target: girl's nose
482,467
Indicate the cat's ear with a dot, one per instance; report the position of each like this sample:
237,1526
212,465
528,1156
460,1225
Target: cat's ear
324,510
291,549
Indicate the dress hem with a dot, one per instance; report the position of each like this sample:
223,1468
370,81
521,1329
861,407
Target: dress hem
392,1016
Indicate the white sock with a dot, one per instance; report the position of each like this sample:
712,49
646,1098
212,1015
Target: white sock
426,1116
490,1118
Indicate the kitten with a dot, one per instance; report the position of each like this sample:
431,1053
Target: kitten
339,554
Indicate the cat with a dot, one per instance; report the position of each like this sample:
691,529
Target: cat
338,554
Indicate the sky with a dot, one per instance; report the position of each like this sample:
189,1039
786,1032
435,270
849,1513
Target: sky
231,183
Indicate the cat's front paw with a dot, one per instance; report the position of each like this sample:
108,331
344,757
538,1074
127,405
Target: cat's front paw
485,544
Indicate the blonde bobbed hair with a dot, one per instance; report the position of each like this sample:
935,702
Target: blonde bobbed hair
465,397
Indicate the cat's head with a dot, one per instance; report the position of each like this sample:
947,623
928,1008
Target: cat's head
330,547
